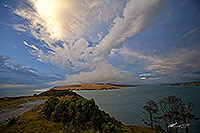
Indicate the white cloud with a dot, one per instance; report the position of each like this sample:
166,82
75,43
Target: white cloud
181,65
188,33
61,27
154,58
20,27
31,46
99,35
136,16
69,57
66,20
103,73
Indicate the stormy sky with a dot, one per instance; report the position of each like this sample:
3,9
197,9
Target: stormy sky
61,42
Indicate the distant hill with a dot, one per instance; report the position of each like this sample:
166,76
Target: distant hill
197,83
89,87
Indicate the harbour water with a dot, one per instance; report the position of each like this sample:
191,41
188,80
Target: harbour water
126,105
14,92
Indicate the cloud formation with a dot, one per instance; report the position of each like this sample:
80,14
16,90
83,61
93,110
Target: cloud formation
31,46
103,73
188,33
180,65
63,28
12,73
17,86
136,16
65,20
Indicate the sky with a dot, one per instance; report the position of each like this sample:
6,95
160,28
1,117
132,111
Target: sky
62,42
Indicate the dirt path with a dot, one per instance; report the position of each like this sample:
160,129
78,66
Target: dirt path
8,113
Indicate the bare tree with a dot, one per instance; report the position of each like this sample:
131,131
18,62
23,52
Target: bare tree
185,114
175,114
169,111
152,108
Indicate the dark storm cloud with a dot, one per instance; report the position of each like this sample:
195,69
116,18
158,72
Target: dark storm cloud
11,73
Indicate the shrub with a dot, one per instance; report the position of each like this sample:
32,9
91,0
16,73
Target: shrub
12,120
79,114
60,114
49,107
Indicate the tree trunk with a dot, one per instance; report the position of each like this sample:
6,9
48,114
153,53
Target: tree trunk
176,130
166,125
187,130
151,121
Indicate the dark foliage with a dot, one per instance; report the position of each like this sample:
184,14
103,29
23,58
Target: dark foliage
169,111
11,121
49,107
58,93
152,109
80,114
184,112
173,113
158,129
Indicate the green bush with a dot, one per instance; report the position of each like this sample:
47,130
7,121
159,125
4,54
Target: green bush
60,114
49,107
80,114
111,128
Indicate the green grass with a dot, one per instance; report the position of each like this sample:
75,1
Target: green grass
32,121
15,102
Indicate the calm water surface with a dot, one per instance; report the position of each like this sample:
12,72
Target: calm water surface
14,92
126,105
